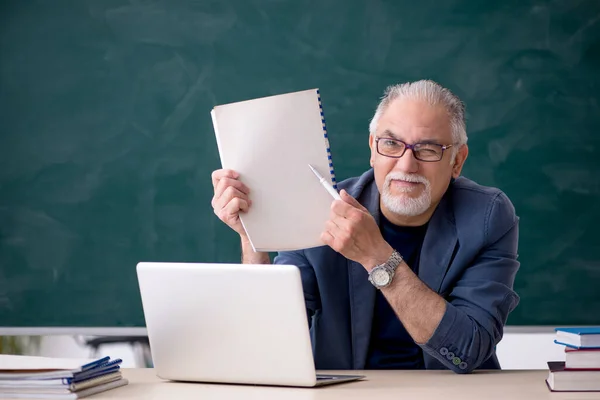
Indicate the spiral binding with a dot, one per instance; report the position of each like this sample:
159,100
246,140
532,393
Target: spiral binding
331,172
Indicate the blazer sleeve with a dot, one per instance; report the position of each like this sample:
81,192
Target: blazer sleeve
309,280
479,304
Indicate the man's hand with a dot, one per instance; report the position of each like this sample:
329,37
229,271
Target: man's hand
230,198
353,232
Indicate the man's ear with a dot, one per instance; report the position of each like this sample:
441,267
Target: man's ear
459,161
371,143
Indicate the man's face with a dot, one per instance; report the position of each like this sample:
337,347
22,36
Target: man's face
410,187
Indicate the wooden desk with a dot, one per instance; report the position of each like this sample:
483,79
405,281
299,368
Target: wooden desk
396,385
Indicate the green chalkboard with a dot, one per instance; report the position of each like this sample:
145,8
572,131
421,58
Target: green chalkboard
106,143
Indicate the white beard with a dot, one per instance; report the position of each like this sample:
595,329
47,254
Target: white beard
403,204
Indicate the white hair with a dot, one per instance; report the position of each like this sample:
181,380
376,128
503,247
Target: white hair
432,93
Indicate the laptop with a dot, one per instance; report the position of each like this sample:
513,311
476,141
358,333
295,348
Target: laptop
229,323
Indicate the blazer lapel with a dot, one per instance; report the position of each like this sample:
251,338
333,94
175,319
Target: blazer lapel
362,292
439,245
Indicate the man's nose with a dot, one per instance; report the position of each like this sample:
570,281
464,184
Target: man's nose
408,163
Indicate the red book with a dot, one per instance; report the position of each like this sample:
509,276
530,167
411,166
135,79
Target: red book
565,380
582,358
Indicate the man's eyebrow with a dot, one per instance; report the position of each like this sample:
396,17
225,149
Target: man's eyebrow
388,133
430,141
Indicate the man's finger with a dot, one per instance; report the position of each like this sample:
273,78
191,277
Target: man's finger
352,201
225,183
230,212
217,175
341,235
340,222
331,226
340,207
229,194
345,210
327,238
236,205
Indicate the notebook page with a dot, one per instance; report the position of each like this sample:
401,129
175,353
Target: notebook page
270,141
33,363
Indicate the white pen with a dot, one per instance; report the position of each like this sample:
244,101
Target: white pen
325,184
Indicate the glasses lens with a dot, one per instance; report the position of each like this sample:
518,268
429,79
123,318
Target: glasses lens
390,147
428,152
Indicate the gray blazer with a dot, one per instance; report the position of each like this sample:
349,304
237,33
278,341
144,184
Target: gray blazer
469,257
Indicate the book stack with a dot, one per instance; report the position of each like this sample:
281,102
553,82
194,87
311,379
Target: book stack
580,372
57,378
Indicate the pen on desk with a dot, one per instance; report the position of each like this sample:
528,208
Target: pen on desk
325,184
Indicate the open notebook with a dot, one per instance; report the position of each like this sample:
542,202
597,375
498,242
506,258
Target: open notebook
270,141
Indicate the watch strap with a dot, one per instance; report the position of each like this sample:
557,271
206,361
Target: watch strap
394,260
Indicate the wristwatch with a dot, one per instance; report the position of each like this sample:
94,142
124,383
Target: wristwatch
381,276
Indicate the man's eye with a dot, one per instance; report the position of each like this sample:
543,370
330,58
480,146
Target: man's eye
390,143
427,151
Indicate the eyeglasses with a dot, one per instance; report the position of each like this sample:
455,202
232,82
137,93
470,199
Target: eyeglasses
394,148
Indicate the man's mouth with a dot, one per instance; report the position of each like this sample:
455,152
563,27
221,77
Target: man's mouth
404,184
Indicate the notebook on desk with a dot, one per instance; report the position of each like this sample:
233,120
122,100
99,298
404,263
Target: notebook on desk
270,142
57,378
229,323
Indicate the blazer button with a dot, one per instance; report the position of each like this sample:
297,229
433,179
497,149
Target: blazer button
462,365
456,361
443,351
450,355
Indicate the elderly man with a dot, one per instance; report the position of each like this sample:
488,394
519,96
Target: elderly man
420,262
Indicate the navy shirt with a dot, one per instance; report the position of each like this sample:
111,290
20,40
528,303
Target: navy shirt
391,347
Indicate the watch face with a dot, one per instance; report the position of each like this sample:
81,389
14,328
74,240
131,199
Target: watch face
380,277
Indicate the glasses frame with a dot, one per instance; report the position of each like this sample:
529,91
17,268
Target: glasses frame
443,147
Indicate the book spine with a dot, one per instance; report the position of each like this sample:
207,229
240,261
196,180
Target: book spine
331,171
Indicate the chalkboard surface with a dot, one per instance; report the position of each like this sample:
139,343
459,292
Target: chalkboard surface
106,143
